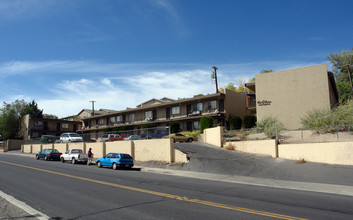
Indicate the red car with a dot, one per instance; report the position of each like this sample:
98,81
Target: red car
115,137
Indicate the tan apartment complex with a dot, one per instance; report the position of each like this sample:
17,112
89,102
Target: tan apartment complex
289,95
160,112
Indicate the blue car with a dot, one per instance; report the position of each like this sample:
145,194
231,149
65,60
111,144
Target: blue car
116,160
49,154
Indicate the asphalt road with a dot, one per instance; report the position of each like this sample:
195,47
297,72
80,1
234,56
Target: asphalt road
66,191
210,159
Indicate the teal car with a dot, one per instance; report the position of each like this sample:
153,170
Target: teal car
49,154
115,161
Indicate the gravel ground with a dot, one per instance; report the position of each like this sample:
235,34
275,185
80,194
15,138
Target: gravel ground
10,211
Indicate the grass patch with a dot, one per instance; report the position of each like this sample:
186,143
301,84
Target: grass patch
300,161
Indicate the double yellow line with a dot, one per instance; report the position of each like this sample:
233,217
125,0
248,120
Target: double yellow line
166,195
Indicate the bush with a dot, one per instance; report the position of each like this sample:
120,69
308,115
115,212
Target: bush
249,121
268,126
235,123
325,120
174,127
206,122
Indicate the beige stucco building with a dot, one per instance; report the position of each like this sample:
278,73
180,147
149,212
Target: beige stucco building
288,95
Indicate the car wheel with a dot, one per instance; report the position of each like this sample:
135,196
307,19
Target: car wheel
46,158
73,161
99,165
37,157
62,160
190,140
115,166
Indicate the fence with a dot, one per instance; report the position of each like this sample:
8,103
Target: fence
338,133
145,133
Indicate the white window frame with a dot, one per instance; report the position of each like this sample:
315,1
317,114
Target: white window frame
65,125
119,118
101,121
196,125
131,118
148,115
209,105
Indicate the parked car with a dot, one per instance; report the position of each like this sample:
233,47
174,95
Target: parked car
180,138
47,139
70,137
111,137
75,156
133,137
49,154
154,134
116,160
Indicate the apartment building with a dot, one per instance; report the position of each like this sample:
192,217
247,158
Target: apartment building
289,95
160,112
36,127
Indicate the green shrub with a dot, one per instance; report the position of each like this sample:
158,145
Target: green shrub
268,126
206,122
174,127
249,121
235,123
325,120
191,133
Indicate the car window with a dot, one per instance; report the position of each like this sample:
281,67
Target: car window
126,156
55,150
115,156
109,156
105,136
49,150
76,151
74,135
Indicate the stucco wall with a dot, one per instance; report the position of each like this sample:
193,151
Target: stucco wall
180,157
235,104
76,146
27,148
213,136
265,147
158,149
331,153
97,149
292,93
120,146
36,148
62,148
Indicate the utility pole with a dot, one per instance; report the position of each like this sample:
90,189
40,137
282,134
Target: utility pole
92,106
215,77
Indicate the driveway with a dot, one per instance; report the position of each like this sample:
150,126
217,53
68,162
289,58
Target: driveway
207,158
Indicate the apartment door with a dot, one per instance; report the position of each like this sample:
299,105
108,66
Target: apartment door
45,126
189,126
167,113
58,126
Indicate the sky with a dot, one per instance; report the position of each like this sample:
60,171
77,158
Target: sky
65,53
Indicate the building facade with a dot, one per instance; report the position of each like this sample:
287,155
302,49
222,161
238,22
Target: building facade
36,127
290,94
160,112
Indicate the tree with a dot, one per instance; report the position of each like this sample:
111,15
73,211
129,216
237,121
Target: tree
235,123
206,122
11,113
340,63
240,86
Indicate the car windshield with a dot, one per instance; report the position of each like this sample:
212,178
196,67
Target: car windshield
74,135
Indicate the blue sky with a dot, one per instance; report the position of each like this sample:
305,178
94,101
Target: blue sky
64,53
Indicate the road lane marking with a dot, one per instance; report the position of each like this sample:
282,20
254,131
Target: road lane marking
166,195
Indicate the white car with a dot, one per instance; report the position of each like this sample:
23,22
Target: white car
70,137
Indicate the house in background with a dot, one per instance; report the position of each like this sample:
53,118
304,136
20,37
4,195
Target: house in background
36,127
160,112
289,95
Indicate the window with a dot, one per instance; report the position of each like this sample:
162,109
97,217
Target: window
148,115
176,110
112,120
119,119
196,125
197,107
65,125
38,123
131,118
101,121
211,105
